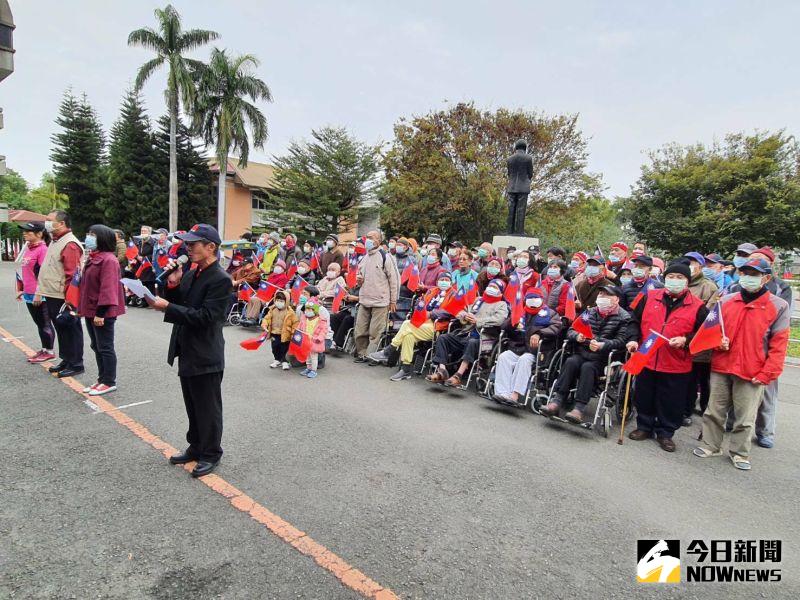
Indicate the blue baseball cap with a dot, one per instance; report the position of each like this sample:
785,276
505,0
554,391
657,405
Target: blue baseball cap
757,264
200,233
697,257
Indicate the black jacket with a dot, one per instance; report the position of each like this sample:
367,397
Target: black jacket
198,308
519,339
614,330
146,251
631,290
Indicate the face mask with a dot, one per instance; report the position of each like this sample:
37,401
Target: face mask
533,302
574,264
452,252
709,273
369,244
738,261
493,291
236,263
400,250
310,314
444,284
750,283
424,251
626,279
592,271
522,263
278,270
493,270
307,249
90,242
637,272
303,300
483,252
675,286
329,244
48,226
331,274
431,259
280,304
603,304
392,245
302,270
553,273
655,271
145,236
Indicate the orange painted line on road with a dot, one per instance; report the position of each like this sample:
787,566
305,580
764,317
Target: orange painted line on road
304,544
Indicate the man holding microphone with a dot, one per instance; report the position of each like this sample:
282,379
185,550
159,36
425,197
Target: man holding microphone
196,301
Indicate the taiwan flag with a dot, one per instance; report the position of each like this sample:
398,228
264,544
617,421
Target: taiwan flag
338,296
18,281
581,325
146,264
266,291
297,288
292,268
410,276
314,262
254,343
162,259
352,270
569,308
73,294
420,313
645,289
640,358
245,292
131,251
711,332
455,301
517,307
300,345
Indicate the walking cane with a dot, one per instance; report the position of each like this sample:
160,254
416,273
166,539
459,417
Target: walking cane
625,409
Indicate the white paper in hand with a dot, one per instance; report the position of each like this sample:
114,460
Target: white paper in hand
136,287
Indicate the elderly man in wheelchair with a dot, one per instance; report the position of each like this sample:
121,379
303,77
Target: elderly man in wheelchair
610,330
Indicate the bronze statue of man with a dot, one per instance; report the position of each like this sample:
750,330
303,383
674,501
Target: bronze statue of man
520,172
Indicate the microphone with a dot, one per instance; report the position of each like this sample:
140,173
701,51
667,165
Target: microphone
179,262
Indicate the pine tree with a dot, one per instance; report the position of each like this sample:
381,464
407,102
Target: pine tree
195,181
78,160
133,198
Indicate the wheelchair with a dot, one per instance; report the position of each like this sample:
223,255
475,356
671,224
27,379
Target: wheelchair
395,320
608,394
491,340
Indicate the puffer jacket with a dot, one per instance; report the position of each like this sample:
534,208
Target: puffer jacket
547,323
614,331
289,321
632,289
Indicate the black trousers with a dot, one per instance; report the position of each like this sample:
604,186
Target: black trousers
279,348
659,401
341,323
102,343
517,205
41,316
70,337
585,372
700,378
451,348
202,395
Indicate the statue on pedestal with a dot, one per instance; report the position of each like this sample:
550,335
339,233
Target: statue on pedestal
520,173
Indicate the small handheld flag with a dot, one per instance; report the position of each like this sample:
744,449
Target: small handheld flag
254,343
641,357
582,326
410,276
338,296
146,264
300,345
266,291
245,292
314,264
517,307
569,309
642,293
297,288
352,271
420,313
292,268
131,251
711,332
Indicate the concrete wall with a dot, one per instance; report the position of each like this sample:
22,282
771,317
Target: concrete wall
238,210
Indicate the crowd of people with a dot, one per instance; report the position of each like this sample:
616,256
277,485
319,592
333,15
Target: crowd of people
385,298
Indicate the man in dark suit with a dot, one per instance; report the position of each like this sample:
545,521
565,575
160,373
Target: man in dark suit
197,302
520,173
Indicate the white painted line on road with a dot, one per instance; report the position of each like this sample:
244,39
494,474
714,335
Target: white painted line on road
92,406
8,340
124,406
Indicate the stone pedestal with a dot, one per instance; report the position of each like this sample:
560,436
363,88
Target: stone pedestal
501,242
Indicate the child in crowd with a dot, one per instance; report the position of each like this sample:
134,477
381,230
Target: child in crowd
316,327
279,323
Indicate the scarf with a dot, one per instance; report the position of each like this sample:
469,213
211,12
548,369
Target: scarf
491,299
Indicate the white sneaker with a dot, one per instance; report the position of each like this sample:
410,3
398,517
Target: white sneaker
286,366
102,388
275,364
89,388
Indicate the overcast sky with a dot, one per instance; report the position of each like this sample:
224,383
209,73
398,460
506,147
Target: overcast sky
640,74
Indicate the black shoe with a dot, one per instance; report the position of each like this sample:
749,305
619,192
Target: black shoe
204,468
59,367
70,372
359,359
181,459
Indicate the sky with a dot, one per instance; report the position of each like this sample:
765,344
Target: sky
639,74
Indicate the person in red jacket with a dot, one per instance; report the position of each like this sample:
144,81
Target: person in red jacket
676,314
750,357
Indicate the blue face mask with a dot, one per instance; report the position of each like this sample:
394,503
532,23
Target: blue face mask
709,273
738,261
431,259
90,242
369,244
592,271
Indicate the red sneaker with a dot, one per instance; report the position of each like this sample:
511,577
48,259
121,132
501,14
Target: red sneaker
102,388
41,356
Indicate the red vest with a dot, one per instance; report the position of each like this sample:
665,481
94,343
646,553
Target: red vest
679,323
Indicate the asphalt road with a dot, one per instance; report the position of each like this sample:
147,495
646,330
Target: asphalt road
431,493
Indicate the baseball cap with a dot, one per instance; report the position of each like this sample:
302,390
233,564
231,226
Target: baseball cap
697,257
642,259
200,233
714,258
747,248
757,264
32,226
611,289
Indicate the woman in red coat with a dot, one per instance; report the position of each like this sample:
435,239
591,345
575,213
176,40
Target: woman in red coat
101,302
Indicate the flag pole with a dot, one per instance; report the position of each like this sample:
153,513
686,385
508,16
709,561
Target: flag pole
721,322
625,409
663,337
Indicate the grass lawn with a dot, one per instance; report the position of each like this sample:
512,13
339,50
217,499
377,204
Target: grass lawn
794,349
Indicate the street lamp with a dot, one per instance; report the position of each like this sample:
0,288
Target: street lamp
6,40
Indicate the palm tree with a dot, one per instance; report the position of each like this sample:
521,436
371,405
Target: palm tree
169,44
222,113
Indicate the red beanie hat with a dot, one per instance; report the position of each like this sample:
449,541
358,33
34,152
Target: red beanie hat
621,245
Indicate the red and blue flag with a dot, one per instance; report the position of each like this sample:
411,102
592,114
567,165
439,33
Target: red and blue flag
420,312
410,276
582,326
297,288
641,357
131,251
73,293
569,308
338,297
266,291
254,343
642,293
711,332
300,345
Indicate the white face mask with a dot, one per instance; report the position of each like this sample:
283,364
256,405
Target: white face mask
392,245
592,271
307,249
331,274
604,303
553,273
48,226
278,270
533,302
655,271
280,304
311,314
330,244
625,279
302,270
637,272
493,291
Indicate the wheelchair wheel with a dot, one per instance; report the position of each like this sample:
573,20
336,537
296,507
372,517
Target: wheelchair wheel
234,319
606,423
